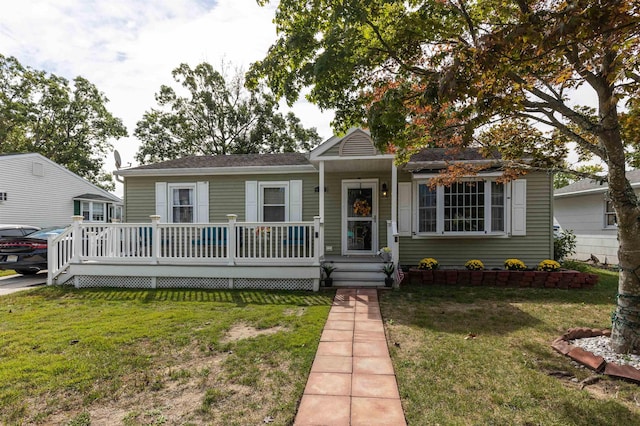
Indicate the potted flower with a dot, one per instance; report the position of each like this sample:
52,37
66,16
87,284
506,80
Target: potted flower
327,269
388,270
514,265
428,263
385,254
474,265
548,265
475,270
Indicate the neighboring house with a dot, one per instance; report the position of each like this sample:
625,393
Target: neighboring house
36,191
349,201
584,208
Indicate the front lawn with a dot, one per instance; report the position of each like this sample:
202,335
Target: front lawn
156,356
480,356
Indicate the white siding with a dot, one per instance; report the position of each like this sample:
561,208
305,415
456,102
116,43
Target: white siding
45,200
584,215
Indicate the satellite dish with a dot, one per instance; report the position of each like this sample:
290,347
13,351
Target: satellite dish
116,156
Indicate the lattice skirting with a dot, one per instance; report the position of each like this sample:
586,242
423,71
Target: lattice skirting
273,284
86,281
185,282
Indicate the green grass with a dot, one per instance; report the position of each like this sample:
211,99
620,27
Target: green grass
4,273
67,355
502,375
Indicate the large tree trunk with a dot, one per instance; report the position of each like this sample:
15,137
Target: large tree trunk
625,333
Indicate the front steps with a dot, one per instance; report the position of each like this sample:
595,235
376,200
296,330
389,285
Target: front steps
357,271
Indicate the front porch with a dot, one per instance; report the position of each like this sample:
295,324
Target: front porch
240,255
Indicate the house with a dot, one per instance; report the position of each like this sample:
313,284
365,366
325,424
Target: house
36,191
584,208
284,214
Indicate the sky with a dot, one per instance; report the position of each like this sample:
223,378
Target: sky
128,48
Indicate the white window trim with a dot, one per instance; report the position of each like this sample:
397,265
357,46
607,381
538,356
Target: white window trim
440,232
606,213
272,184
91,203
170,205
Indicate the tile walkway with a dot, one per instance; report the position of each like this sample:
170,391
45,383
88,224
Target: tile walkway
352,380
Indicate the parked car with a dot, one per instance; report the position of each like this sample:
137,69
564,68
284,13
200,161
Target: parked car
16,230
27,254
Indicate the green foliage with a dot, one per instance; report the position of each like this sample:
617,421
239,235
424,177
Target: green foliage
67,123
561,179
213,114
514,265
564,244
575,265
327,268
388,269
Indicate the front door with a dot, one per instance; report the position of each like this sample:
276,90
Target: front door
359,216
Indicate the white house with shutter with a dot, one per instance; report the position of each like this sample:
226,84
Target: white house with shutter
584,208
270,220
37,191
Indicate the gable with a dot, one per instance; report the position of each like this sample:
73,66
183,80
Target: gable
357,144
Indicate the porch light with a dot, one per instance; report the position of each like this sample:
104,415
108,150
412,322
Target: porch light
385,190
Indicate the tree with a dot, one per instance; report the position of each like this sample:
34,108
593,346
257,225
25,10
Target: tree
562,179
68,124
217,116
445,72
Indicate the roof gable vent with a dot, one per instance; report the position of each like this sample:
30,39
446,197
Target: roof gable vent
357,144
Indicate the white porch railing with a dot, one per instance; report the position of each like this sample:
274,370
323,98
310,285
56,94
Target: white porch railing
230,243
393,244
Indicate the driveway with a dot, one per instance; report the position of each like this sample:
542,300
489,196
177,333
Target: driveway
18,282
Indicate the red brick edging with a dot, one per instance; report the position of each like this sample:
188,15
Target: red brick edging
597,363
503,278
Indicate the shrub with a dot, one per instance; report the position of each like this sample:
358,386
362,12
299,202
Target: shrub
564,244
428,263
474,265
548,265
574,265
514,265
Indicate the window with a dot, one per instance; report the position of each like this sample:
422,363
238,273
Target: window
93,211
273,201
471,207
182,204
3,196
610,219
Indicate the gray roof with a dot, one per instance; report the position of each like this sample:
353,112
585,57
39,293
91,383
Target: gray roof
590,185
96,197
232,160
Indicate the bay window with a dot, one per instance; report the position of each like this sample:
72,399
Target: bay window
465,207
93,211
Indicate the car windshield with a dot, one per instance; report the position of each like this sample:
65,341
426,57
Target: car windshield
46,233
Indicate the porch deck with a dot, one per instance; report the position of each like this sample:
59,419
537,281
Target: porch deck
280,255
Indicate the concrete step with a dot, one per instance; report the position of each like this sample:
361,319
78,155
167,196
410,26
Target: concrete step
356,283
363,275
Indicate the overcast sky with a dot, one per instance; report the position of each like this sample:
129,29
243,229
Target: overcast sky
128,48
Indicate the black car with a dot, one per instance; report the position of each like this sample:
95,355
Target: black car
16,230
26,255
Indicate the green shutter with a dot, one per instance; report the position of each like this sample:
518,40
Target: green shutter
76,207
